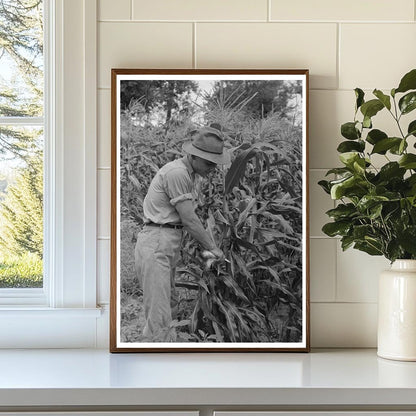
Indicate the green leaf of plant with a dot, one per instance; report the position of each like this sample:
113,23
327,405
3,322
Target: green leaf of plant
348,158
346,242
371,108
408,102
369,201
408,161
391,170
385,144
361,231
338,171
367,122
375,212
338,190
408,82
393,250
349,131
399,148
342,211
407,240
375,135
336,228
349,146
359,94
325,186
411,130
385,99
359,165
368,248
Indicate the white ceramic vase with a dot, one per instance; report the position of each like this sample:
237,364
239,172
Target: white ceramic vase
397,312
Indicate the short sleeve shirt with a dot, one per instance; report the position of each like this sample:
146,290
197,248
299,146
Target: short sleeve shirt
173,183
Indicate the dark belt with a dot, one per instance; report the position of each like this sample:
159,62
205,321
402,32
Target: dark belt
167,225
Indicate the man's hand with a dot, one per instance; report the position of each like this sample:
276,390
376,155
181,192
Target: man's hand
212,256
219,255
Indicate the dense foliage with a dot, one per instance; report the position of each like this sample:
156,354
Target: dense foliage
252,209
376,212
21,223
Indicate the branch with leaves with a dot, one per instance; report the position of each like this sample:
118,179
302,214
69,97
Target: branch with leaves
376,210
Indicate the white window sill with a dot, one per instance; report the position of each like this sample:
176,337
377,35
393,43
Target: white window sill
36,312
40,327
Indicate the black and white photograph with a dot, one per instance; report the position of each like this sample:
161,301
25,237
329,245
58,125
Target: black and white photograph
209,213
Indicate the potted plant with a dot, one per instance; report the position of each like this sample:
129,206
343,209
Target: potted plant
376,209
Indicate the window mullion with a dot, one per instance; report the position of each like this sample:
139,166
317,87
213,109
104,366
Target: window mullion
22,121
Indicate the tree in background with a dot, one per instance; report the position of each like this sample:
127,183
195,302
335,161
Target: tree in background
266,97
21,212
169,96
21,79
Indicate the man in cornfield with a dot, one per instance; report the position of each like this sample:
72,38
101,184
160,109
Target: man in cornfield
168,210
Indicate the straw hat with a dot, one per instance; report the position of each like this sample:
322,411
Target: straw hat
208,144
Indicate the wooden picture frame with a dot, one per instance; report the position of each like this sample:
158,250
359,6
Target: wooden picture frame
256,296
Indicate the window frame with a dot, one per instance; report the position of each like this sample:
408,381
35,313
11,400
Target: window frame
37,296
70,166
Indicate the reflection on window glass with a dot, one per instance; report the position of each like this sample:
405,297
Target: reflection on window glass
21,143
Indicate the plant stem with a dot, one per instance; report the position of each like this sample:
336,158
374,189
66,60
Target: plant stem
397,118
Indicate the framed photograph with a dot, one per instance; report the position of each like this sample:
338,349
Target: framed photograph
209,211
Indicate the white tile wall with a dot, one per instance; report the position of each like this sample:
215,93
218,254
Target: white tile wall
200,10
104,202
357,10
328,109
337,325
103,270
357,275
142,45
271,45
114,10
323,269
345,44
376,55
104,128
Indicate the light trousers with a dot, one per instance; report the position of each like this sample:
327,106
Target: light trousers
156,255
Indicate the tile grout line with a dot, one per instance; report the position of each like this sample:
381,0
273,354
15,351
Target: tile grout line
338,63
269,11
306,22
355,302
131,10
194,62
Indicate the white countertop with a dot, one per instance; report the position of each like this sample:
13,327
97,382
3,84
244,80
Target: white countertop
96,377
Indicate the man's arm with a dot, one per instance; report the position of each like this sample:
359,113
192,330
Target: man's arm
193,225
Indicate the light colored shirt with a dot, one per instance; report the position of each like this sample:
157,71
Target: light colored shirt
173,183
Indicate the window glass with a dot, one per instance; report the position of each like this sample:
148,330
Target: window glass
21,143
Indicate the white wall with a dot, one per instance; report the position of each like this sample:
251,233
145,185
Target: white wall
345,44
